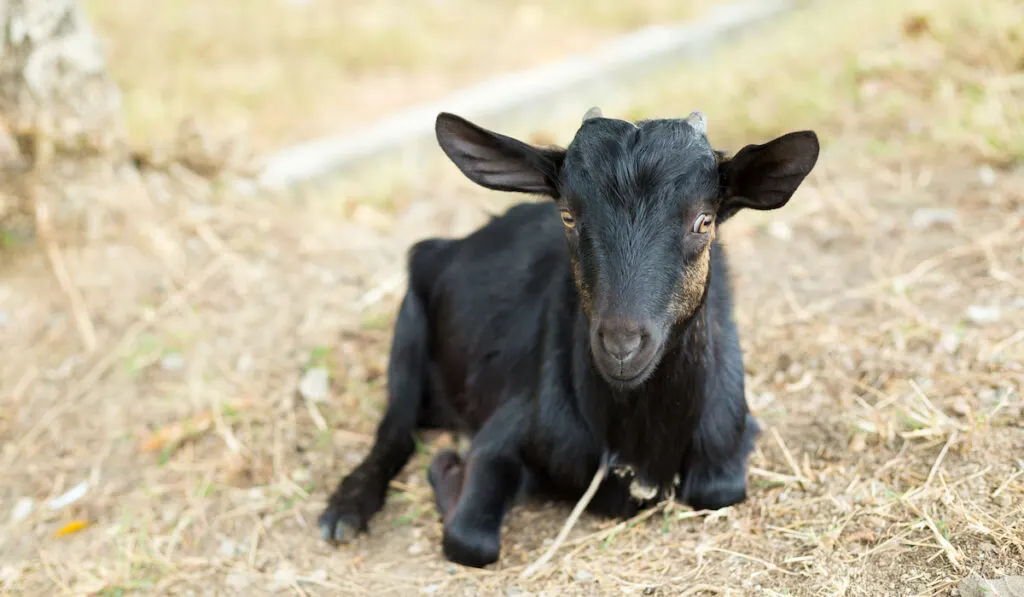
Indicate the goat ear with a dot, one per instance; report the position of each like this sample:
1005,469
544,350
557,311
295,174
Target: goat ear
766,176
498,162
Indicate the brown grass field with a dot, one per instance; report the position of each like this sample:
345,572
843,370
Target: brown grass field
286,70
881,313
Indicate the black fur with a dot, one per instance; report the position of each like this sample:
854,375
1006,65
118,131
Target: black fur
556,345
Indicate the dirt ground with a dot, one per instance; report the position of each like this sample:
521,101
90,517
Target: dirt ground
881,313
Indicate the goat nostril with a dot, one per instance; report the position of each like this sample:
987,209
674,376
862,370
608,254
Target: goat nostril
622,346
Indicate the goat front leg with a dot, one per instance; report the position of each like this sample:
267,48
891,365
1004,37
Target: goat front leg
714,482
362,493
474,495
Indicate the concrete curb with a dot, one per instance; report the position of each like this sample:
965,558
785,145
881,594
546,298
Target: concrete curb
510,95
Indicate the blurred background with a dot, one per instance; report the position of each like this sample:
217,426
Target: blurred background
190,363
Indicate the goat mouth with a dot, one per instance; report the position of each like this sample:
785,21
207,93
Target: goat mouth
631,380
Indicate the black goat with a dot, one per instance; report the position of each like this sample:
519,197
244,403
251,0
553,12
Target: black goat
598,325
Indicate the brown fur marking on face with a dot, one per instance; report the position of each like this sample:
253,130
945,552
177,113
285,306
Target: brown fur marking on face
688,294
586,301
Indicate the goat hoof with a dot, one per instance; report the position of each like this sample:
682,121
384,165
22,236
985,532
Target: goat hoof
474,549
339,527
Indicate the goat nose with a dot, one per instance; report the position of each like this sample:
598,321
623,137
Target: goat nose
622,340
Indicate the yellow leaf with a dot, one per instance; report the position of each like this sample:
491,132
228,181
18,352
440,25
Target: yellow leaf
179,431
72,527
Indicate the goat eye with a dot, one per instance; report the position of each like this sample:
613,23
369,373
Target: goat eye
703,223
567,219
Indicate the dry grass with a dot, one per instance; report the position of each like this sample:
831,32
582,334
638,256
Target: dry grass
289,70
885,357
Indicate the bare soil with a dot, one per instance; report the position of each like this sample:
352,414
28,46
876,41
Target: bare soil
881,314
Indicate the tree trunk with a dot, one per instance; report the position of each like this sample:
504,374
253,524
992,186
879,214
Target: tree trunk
53,77
57,103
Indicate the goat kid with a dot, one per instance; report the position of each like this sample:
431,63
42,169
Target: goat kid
596,325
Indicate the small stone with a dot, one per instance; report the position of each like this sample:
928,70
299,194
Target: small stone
514,592
949,341
430,589
172,361
974,586
315,384
319,575
987,175
238,580
285,576
980,314
416,549
781,231
858,443
925,217
371,218
961,407
1004,500
583,575
244,363
451,569
228,548
22,509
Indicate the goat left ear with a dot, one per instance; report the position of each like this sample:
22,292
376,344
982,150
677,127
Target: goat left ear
766,176
498,162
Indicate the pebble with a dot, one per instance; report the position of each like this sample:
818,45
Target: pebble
172,361
980,314
416,549
22,509
929,216
987,175
244,363
319,575
780,231
315,384
950,341
974,586
583,575
430,589
285,576
238,580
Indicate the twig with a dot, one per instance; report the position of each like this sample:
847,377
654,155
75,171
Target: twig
789,458
392,283
569,522
947,547
766,563
44,228
583,542
1007,482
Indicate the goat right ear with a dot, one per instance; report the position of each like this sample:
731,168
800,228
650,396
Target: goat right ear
766,176
498,162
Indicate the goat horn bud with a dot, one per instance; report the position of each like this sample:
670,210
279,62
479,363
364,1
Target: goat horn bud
697,120
594,112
